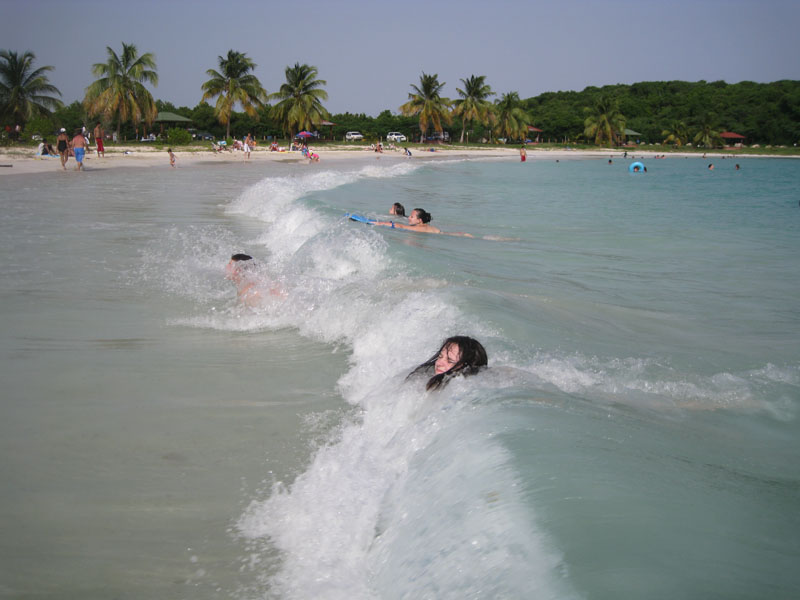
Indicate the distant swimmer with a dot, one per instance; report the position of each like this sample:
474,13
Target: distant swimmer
419,220
398,210
458,356
242,271
710,166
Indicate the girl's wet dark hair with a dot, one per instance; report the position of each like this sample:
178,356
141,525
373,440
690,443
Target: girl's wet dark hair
473,357
238,257
424,216
399,209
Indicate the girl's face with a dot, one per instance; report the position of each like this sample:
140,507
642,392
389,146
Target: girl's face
447,359
413,218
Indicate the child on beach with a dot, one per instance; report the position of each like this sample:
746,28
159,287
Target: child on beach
171,158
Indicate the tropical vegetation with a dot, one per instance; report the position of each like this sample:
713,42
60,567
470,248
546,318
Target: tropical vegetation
234,83
25,92
707,133
473,105
511,121
427,103
300,100
677,113
677,133
120,95
604,122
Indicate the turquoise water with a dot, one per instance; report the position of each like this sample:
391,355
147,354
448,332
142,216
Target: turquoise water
636,434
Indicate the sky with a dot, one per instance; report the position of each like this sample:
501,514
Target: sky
370,51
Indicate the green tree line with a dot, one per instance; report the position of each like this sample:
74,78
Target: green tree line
674,112
765,113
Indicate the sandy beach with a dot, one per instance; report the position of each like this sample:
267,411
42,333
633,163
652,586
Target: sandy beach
17,161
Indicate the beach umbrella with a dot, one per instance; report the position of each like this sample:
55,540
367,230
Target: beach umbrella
304,134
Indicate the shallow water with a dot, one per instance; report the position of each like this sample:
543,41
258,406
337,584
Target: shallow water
635,435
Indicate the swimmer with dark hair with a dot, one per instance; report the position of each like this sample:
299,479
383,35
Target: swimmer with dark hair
419,220
398,210
458,355
242,271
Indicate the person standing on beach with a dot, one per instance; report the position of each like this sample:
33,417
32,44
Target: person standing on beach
523,154
248,143
79,148
62,145
171,158
98,136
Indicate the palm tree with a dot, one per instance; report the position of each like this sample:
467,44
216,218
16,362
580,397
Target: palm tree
511,120
120,91
473,104
300,105
234,83
677,134
427,102
707,135
604,121
24,92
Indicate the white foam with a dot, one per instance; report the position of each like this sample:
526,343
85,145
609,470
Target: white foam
645,382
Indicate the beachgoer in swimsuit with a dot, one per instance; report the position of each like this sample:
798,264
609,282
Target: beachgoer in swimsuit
248,142
63,147
79,148
458,355
98,138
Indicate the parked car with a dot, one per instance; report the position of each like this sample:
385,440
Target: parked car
395,136
353,136
436,136
200,135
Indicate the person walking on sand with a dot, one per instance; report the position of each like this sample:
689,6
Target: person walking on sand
171,158
98,137
523,154
62,145
79,148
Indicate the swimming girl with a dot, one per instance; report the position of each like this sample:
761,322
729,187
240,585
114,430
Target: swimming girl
398,210
418,220
459,355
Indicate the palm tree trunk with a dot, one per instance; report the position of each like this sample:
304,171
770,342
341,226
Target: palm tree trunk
228,130
463,128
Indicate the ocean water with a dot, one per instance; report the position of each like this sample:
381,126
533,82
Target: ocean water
635,434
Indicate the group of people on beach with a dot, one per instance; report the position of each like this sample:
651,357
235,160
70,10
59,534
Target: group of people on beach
75,146
458,356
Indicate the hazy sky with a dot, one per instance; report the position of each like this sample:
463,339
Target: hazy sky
370,51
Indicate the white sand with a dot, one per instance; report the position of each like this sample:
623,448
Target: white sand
23,161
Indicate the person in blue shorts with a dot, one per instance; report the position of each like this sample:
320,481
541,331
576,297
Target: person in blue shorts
79,148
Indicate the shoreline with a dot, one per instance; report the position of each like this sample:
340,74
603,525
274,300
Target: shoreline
12,163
